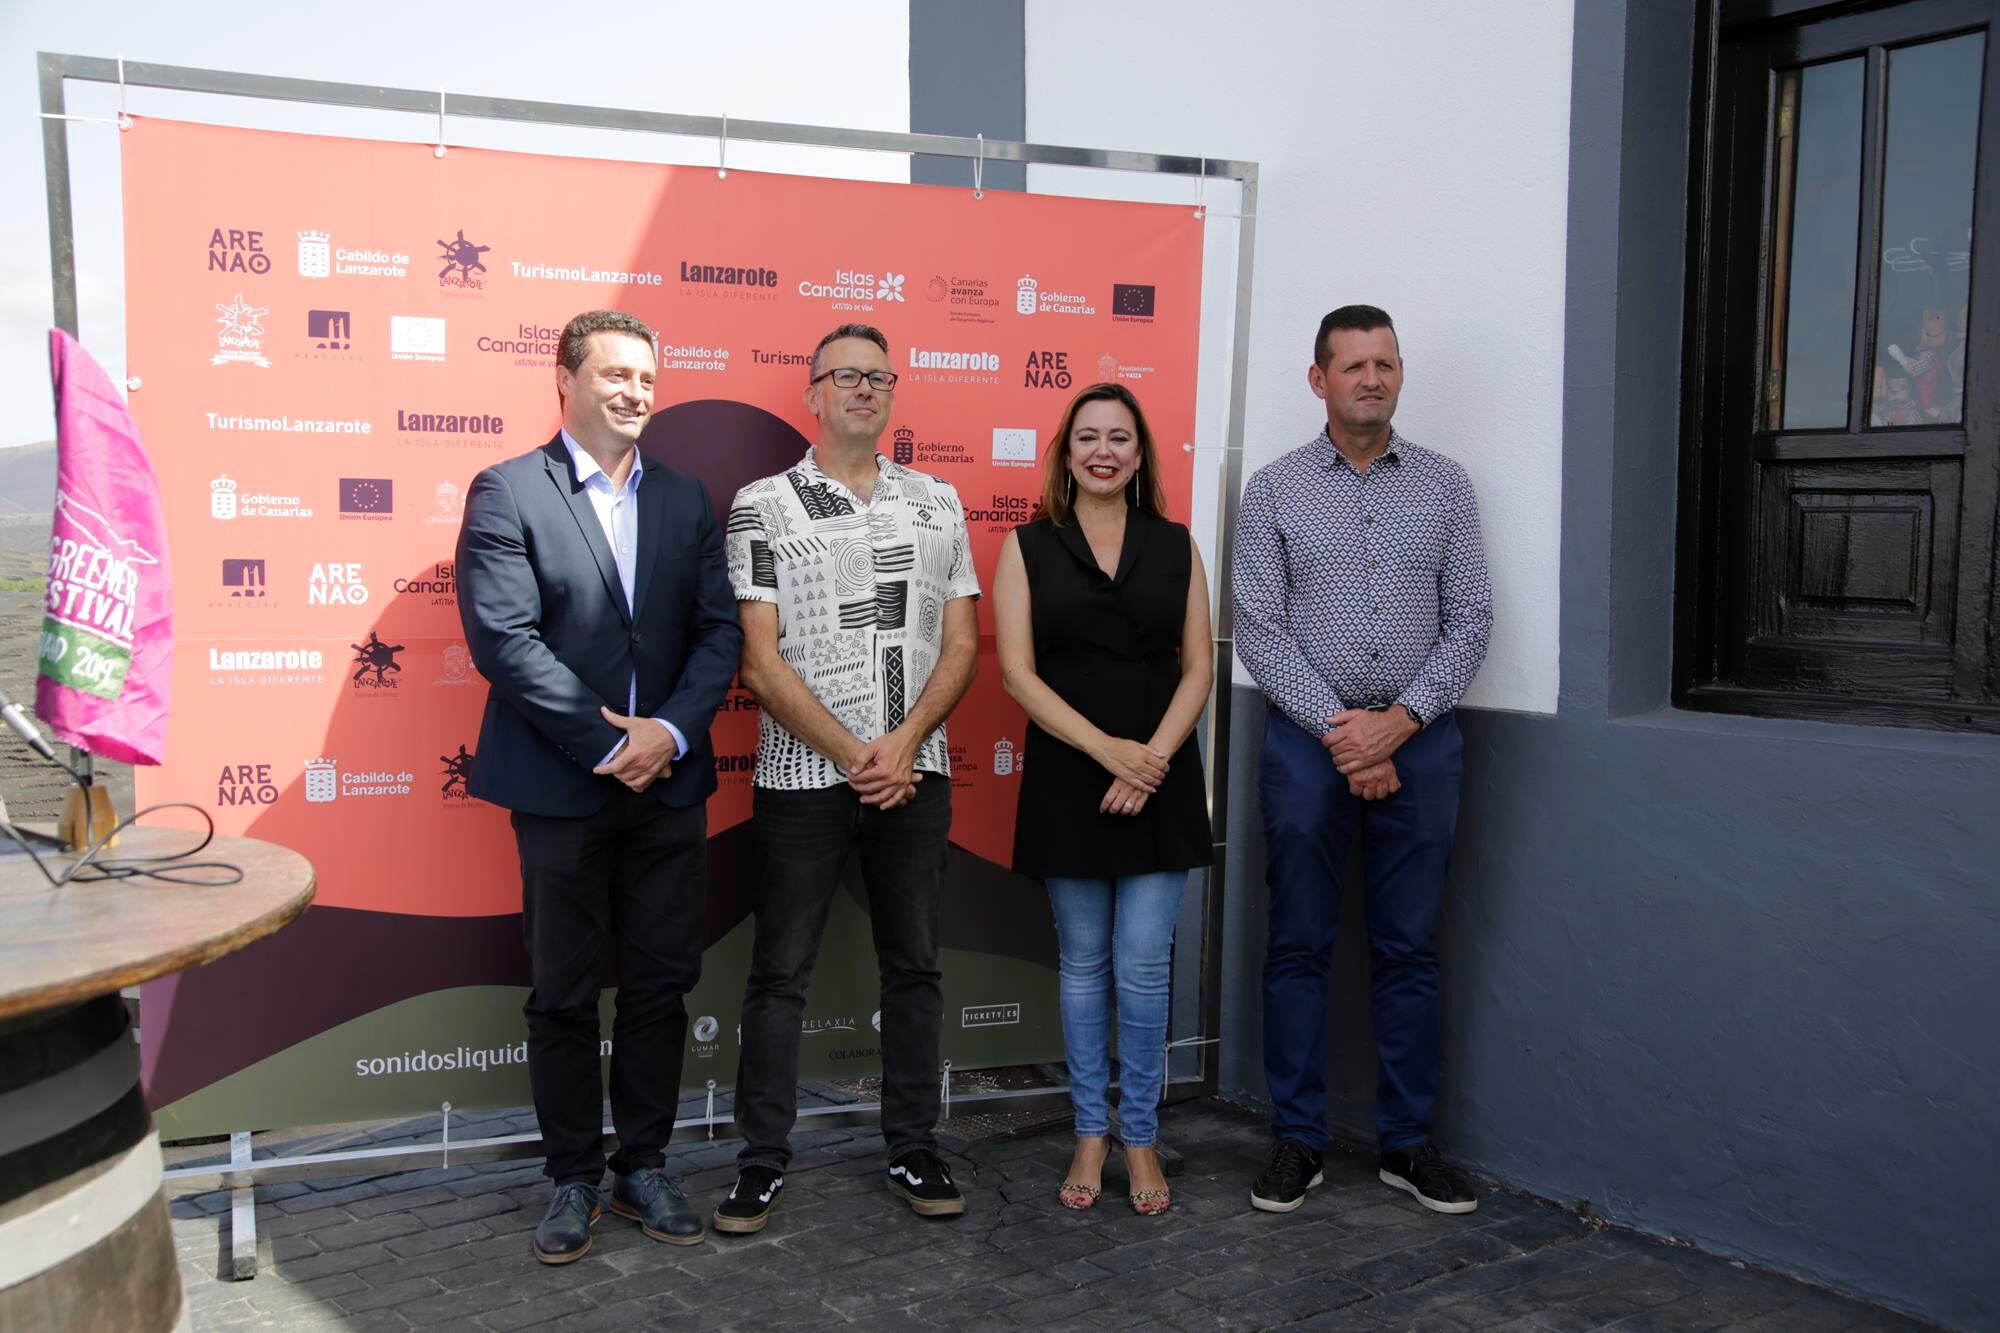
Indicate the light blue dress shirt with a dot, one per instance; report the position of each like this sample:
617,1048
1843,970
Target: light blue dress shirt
617,511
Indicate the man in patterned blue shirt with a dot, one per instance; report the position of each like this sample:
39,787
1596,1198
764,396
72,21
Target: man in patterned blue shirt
1362,611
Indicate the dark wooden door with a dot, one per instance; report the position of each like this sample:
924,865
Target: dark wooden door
1844,348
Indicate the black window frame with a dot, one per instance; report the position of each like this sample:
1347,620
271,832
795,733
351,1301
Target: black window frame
1729,556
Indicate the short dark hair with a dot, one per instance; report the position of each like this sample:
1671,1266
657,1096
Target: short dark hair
1355,319
868,331
575,344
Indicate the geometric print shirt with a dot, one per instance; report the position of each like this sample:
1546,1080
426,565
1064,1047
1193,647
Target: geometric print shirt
860,593
1356,589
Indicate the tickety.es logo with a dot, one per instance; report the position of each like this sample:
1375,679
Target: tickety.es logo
373,661
245,577
240,340
463,269
237,250
989,1015
416,338
367,497
1132,303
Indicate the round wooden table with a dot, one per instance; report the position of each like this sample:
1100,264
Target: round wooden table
84,1240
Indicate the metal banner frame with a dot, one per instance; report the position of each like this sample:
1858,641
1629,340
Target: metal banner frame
242,1168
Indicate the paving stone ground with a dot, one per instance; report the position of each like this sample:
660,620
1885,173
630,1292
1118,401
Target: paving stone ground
448,1249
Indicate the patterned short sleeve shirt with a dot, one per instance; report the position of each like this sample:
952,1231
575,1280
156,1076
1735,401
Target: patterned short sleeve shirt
860,592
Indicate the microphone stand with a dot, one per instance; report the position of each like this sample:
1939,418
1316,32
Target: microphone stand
87,810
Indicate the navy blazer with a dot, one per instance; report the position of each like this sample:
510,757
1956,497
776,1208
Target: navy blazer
546,621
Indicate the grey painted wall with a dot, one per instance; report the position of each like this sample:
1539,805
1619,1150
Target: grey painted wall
967,62
1727,979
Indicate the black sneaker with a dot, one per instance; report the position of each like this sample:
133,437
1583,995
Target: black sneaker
564,1234
1423,1173
750,1200
922,1178
1292,1170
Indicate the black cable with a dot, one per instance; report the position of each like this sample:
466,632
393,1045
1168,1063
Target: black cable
131,867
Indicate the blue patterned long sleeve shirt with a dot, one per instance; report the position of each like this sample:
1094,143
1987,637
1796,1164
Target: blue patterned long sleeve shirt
1355,589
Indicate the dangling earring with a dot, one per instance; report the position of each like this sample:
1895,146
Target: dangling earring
1071,494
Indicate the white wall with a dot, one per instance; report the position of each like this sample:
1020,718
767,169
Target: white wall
784,60
1413,156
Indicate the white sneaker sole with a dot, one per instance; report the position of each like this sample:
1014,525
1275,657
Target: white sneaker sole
1279,1205
1435,1205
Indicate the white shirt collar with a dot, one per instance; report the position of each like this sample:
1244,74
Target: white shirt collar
586,466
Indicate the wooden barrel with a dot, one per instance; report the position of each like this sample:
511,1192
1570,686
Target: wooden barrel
84,1239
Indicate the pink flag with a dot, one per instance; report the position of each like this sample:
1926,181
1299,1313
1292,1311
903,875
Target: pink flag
107,652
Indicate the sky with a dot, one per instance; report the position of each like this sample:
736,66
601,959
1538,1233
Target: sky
782,60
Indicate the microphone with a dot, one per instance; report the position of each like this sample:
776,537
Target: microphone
12,714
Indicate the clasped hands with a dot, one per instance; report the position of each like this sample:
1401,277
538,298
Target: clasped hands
1361,742
645,756
884,770
1136,769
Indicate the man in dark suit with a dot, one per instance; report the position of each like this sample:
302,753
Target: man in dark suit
596,600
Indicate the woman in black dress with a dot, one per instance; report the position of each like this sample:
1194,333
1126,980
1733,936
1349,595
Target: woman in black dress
1101,611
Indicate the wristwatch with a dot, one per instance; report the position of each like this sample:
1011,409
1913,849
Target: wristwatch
1415,716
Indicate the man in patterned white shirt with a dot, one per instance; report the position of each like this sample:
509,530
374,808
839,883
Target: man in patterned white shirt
854,579
1362,610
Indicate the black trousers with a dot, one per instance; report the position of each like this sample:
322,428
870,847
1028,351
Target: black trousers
633,875
804,839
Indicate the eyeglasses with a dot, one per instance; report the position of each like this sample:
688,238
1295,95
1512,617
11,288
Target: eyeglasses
846,377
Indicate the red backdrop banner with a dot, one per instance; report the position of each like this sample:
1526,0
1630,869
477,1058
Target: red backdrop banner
333,336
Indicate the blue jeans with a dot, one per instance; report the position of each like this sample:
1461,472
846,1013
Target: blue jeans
1309,820
1117,932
